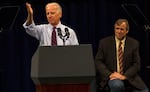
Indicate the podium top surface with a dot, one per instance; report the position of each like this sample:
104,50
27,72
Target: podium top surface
63,61
63,64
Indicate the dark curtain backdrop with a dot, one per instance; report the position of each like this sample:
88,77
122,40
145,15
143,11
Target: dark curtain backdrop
91,19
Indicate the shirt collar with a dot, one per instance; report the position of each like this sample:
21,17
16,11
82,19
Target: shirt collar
57,26
123,40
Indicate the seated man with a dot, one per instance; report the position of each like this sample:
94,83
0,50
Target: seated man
118,60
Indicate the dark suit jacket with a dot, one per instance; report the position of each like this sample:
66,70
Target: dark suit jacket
106,61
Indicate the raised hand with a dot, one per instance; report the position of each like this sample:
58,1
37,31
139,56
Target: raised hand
30,14
29,8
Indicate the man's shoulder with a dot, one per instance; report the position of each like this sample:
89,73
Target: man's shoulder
64,26
107,38
132,39
44,25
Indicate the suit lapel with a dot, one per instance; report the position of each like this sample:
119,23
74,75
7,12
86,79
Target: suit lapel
114,53
126,49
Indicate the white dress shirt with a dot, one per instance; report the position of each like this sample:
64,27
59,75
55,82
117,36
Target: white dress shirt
43,33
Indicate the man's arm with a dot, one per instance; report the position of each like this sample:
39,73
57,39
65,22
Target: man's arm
30,14
102,68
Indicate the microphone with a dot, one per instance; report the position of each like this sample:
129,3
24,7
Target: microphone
67,33
59,33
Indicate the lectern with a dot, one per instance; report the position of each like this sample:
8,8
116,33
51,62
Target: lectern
63,68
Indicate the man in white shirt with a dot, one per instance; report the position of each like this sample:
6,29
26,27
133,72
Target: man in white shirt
43,32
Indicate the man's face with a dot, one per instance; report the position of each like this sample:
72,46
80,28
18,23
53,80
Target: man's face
121,30
53,14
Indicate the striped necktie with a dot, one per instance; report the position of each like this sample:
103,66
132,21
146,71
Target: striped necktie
53,38
120,57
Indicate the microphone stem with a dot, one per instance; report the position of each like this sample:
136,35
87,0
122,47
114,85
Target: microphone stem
63,40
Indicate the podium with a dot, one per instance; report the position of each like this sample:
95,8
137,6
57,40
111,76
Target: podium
63,68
